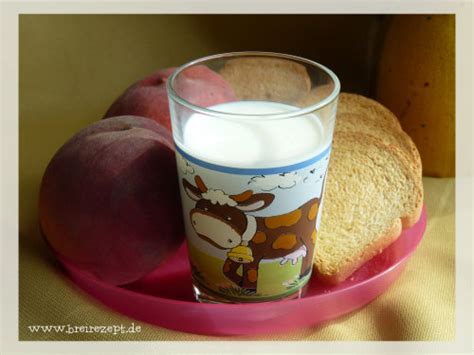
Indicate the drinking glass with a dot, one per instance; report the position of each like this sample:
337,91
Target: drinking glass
253,134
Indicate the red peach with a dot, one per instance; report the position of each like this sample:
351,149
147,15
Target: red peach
109,200
148,97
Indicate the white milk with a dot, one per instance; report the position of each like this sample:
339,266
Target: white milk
253,143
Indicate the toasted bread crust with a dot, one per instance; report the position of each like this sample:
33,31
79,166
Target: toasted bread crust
354,103
409,220
356,122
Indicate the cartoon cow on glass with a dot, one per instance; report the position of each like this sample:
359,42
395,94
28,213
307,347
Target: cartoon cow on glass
224,221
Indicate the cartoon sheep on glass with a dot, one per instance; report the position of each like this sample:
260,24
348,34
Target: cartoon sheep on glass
225,221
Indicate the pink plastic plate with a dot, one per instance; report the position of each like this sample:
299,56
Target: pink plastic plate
165,296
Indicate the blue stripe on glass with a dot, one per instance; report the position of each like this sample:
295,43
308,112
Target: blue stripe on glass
253,171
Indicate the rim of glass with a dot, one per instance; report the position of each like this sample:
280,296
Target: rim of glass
294,113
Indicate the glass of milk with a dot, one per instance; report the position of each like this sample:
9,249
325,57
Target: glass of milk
253,133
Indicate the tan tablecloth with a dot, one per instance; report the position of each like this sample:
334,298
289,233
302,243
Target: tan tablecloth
418,306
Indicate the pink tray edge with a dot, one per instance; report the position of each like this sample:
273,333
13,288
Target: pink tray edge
240,319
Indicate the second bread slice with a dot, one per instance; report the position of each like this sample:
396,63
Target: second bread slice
358,104
358,123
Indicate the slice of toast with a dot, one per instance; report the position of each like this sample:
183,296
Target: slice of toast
374,126
271,79
373,190
358,104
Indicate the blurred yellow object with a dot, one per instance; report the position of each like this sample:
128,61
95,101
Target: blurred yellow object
416,81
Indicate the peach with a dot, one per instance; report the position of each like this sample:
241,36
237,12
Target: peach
109,199
148,97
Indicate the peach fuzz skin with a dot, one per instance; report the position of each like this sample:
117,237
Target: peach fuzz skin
109,199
